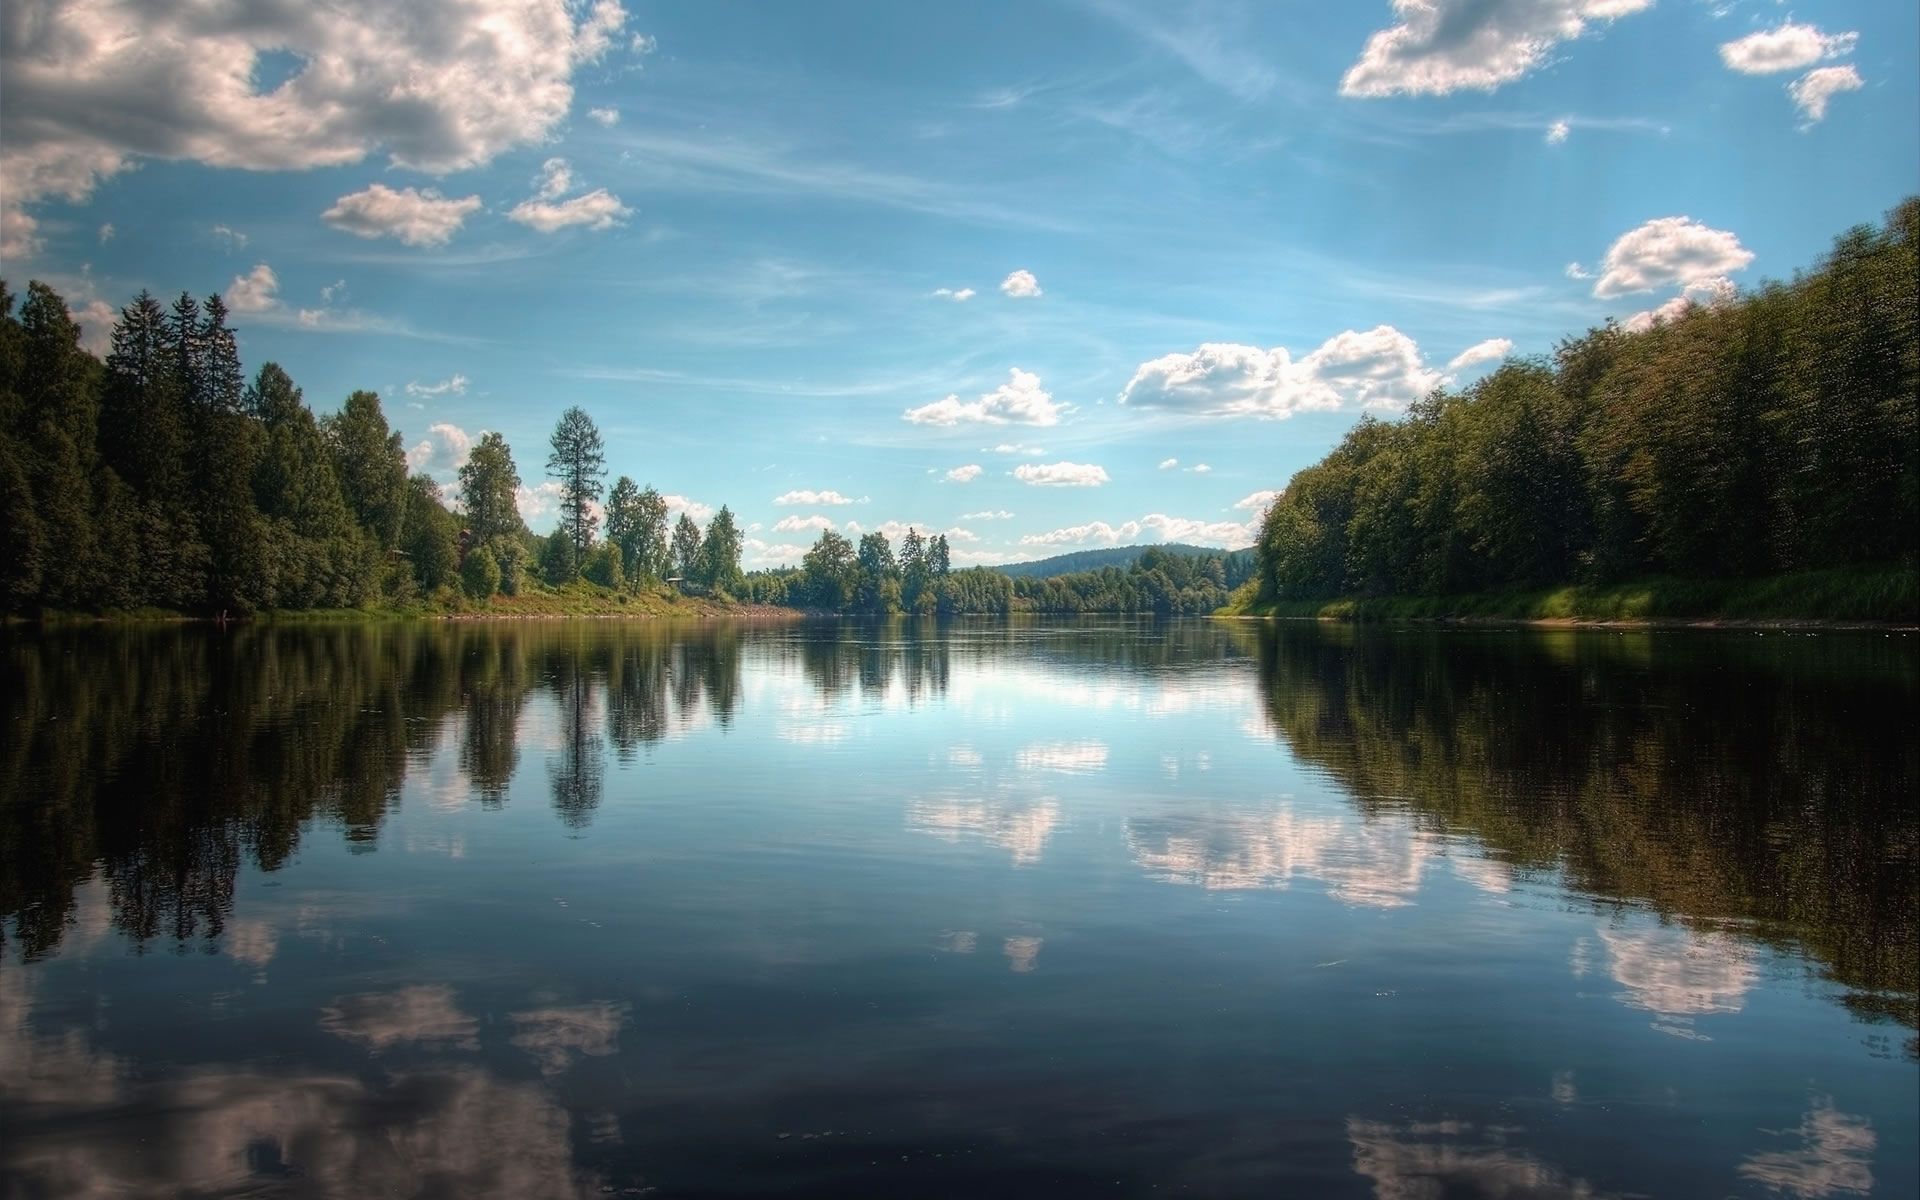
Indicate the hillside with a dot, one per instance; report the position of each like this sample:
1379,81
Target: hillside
1107,556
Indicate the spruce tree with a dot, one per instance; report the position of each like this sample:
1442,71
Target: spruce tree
579,462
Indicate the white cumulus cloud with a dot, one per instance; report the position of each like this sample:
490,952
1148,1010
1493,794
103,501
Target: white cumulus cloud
1491,350
605,116
1256,501
1060,474
1557,132
1375,368
1668,251
233,237
442,450
1168,464
799,524
1705,292
598,209
987,515
1787,48
966,474
255,292
91,86
809,497
416,217
1154,527
1019,401
957,295
455,384
1442,46
1021,285
1811,91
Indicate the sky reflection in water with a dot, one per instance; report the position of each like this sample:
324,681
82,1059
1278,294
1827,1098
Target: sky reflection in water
1063,907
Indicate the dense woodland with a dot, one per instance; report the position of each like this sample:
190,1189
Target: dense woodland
162,479
872,579
1770,434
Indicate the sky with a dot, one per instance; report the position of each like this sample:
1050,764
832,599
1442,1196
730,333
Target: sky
1042,276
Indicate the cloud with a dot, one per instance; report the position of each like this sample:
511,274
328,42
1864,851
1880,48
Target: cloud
255,292
1557,132
1019,401
414,216
797,524
443,450
455,384
608,117
1575,271
17,240
536,501
1017,448
677,504
439,86
1060,474
106,233
1154,527
804,496
1667,251
987,515
1811,91
1787,48
96,320
966,474
643,44
233,237
598,209
1168,464
337,290
1256,501
1021,285
1376,368
1442,46
1708,292
758,553
958,296
1491,350
1200,469
555,179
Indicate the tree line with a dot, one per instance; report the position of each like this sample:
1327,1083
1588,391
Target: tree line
1769,434
872,579
162,478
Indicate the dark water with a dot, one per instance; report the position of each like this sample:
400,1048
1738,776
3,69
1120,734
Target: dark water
1057,909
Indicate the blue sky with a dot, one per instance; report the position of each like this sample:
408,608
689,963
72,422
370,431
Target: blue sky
1045,275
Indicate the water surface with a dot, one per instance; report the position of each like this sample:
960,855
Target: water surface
1049,908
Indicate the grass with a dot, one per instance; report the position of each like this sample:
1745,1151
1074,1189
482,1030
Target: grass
578,599
1850,594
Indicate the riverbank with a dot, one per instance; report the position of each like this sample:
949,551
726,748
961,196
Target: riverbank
577,601
1876,597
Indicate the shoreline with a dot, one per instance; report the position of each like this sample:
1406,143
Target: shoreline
1724,624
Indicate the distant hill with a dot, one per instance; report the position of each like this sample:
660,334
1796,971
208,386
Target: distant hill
1110,556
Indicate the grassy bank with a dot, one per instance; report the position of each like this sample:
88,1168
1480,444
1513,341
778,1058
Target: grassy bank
581,599
1886,594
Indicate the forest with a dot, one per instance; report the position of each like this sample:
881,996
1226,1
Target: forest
871,579
1770,434
161,479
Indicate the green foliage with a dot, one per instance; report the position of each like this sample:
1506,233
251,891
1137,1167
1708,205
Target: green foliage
489,487
160,481
480,574
686,549
603,567
558,564
1767,436
719,558
579,462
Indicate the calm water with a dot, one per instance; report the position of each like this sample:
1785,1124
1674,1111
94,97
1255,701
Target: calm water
1053,909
